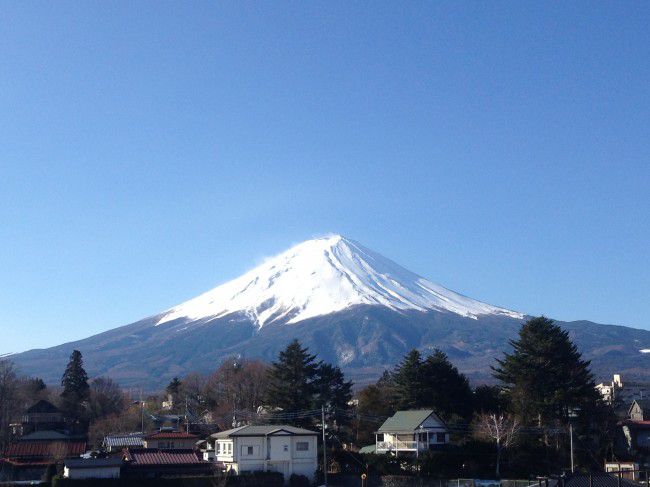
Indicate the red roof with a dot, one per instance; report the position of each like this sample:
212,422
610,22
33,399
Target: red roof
45,449
151,456
170,435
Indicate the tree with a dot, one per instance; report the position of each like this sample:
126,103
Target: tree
374,407
105,398
8,399
488,399
291,380
444,388
407,382
75,389
334,393
545,377
503,430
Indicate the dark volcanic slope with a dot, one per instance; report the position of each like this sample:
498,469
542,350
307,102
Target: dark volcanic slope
364,340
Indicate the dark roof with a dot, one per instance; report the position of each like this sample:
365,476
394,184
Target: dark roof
263,430
45,449
130,439
46,435
43,406
641,425
153,456
598,480
170,435
406,420
93,462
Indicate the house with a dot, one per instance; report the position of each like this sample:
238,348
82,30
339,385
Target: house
28,457
170,440
42,416
411,432
92,468
275,448
640,410
168,421
117,443
620,394
153,462
206,449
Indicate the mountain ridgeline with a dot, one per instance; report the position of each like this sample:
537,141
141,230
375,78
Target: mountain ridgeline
350,305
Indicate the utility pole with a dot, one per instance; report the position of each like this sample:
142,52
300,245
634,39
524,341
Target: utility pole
324,444
571,435
141,413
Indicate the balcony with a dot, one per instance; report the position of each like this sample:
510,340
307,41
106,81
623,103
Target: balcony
399,445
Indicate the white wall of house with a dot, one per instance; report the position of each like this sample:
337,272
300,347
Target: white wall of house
282,453
92,473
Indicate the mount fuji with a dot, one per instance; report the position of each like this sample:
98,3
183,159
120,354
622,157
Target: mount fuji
349,304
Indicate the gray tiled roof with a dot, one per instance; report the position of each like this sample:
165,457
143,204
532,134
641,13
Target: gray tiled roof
262,430
116,441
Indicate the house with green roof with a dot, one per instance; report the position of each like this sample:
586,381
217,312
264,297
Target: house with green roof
411,432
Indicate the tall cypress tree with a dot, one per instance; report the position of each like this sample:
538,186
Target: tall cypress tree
545,376
291,384
75,389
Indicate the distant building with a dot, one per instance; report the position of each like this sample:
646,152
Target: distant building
629,470
168,421
170,440
621,394
640,410
92,468
411,432
42,416
268,448
117,443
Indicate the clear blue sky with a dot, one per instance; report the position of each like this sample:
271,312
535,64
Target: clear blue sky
152,150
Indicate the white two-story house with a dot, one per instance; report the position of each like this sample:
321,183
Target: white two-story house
411,432
276,448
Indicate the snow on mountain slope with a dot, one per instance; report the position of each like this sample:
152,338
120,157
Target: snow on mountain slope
322,276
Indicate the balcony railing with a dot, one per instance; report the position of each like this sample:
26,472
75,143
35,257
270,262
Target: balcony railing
398,445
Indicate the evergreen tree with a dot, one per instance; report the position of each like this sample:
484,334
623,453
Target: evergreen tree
173,389
444,388
545,377
334,393
75,390
407,382
291,380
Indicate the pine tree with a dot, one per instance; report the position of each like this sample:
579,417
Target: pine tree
334,393
291,380
407,382
444,388
545,377
75,390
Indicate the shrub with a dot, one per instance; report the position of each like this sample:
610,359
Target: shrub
298,481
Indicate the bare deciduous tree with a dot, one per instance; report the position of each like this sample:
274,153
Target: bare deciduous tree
502,429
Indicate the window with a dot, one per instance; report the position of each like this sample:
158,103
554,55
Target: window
247,450
228,448
440,437
218,448
302,446
286,447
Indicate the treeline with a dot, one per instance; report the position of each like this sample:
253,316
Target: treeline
542,385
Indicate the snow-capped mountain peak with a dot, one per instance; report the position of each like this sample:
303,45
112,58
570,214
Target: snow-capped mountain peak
323,276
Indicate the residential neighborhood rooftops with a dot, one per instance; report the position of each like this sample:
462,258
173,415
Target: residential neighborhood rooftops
54,449
407,420
263,430
170,435
153,456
